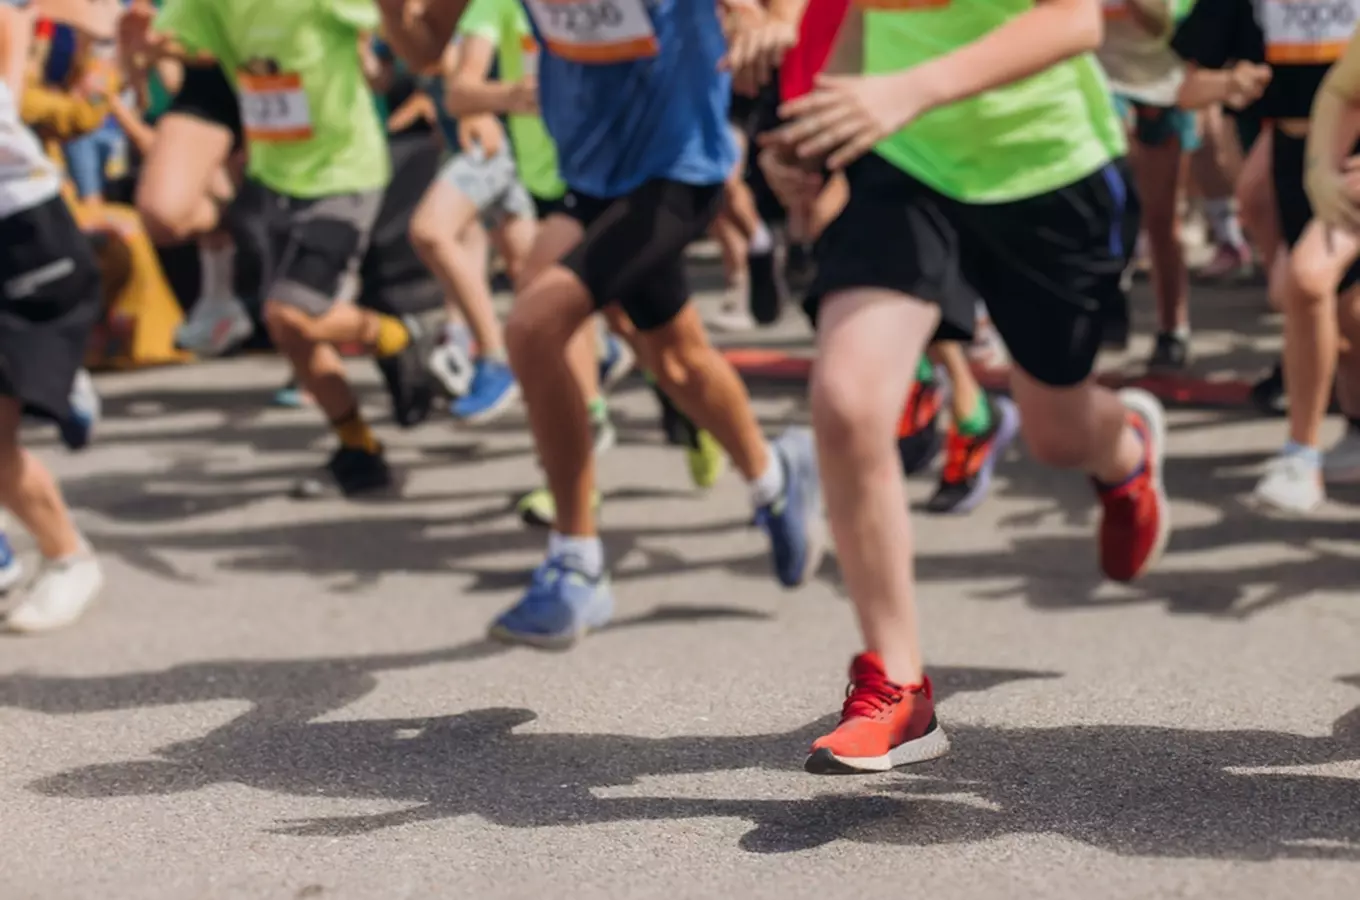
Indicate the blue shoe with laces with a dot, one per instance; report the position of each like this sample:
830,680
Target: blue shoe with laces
794,520
491,393
616,361
86,408
11,570
560,607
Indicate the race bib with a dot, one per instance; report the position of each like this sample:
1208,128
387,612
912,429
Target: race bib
595,31
274,108
529,54
1307,32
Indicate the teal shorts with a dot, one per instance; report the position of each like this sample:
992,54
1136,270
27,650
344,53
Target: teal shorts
1153,126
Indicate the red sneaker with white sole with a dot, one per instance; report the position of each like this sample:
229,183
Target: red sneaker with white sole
883,725
1137,519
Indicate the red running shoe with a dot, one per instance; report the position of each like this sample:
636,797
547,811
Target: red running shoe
883,725
918,432
1137,521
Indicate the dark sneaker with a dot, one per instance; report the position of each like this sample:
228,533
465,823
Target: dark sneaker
348,473
799,268
407,375
969,461
918,433
765,300
1170,355
1268,395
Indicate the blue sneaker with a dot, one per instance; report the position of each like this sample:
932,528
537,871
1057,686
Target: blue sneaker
794,521
11,570
616,362
86,408
560,607
289,396
492,391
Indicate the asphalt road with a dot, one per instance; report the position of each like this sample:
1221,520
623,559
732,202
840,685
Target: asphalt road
278,700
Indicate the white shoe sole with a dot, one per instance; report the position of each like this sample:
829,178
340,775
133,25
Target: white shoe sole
1150,410
931,745
496,410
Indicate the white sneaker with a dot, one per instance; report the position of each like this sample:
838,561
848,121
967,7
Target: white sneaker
1290,485
1341,465
451,366
215,325
59,596
734,316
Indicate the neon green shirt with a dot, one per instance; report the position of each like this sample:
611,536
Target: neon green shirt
310,123
503,23
1018,141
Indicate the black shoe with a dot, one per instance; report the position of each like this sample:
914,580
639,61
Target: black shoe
349,472
407,375
765,300
1170,355
1267,395
799,269
679,430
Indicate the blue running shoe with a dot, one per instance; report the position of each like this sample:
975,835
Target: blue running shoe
491,393
560,607
616,362
290,396
86,408
11,570
794,521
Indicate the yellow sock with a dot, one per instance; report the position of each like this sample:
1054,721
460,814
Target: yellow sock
354,433
392,336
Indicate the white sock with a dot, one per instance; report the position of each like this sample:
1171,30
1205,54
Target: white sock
586,554
1223,223
768,485
762,241
218,265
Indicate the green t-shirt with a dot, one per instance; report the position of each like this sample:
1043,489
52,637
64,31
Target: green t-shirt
1018,141
311,126
503,23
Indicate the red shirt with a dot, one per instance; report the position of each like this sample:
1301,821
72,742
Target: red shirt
816,39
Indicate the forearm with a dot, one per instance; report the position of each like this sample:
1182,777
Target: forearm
140,133
1333,127
468,98
420,34
1202,88
1031,42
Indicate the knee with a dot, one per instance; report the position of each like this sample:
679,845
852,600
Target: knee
288,326
424,236
166,220
1312,281
674,363
530,332
848,420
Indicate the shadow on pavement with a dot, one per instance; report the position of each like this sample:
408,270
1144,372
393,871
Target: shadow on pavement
1140,791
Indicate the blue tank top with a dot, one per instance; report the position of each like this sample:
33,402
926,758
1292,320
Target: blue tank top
630,92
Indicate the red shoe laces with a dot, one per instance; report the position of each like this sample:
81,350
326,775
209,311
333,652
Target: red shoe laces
870,694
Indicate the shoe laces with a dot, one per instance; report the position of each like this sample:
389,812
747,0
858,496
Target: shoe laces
869,694
960,449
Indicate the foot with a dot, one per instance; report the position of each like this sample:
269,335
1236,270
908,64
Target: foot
615,363
492,392
883,725
215,326
1170,355
1268,394
537,509
1341,465
734,316
800,268
603,434
1136,521
11,570
918,433
408,379
290,396
560,607
794,520
1229,262
969,461
707,461
1292,485
350,472
86,409
451,368
62,593
765,302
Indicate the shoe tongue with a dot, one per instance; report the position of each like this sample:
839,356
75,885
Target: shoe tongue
867,664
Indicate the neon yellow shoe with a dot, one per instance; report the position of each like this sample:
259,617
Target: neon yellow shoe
537,508
707,461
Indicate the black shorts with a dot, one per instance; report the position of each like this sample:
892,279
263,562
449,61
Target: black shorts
633,253
207,94
759,114
393,280
545,206
1048,267
1292,205
50,301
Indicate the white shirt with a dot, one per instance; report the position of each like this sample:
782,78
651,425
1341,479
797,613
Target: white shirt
27,177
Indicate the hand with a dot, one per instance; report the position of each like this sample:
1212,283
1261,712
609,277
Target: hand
524,97
792,183
756,44
1335,193
135,35
1246,83
845,116
482,132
